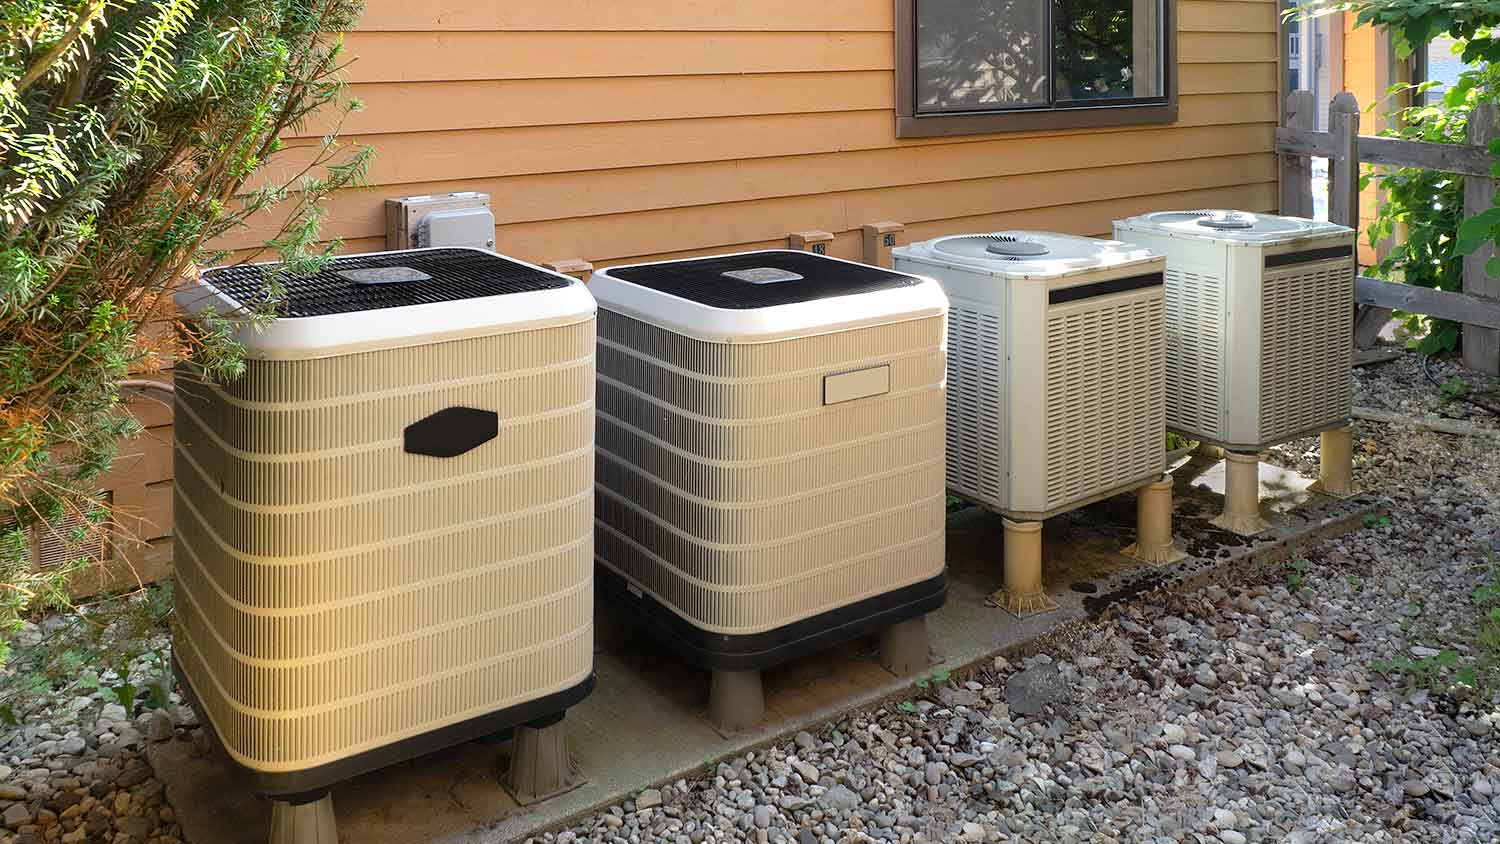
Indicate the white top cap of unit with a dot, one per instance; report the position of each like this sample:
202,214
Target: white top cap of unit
762,296
1026,254
1231,226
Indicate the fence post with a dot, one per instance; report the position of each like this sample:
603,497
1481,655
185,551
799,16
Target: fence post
1343,168
1296,170
1481,345
1343,201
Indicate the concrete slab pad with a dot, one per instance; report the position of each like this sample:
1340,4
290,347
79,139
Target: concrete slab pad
645,723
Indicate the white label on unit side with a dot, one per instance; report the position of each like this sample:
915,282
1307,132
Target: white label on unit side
861,383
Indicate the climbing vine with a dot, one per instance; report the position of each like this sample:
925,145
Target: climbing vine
1424,207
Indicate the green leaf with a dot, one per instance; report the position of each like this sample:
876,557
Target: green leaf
125,696
1476,231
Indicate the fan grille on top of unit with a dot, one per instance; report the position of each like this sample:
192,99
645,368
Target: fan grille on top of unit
1225,220
1014,248
702,280
437,275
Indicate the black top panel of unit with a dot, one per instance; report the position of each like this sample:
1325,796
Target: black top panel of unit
761,279
385,280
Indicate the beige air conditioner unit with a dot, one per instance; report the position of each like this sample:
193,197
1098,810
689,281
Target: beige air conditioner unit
384,527
1056,377
770,459
1259,325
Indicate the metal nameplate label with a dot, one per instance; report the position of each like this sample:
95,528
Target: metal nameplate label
859,384
763,275
384,275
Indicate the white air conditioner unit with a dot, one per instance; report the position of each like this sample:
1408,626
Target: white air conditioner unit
1055,367
1056,388
1259,323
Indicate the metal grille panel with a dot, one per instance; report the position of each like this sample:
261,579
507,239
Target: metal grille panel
734,496
1106,396
1195,351
337,594
977,459
452,274
810,277
1306,348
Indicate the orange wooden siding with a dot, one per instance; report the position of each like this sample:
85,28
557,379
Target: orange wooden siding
1370,69
618,131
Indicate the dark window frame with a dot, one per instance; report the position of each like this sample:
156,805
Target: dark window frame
1074,115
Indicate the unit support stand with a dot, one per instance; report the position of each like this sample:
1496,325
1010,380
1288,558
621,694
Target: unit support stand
1022,594
1212,452
540,765
736,700
1242,494
904,647
307,820
1153,528
1336,462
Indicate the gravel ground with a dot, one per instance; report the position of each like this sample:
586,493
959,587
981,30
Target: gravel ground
1249,713
1239,713
77,772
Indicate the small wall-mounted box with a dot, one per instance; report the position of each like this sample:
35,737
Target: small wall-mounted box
449,219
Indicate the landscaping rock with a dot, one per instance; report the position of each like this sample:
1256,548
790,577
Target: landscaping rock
1032,691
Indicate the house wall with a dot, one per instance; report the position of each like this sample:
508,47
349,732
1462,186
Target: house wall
619,131
613,131
1370,69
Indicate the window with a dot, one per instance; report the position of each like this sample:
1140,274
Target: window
972,66
1439,65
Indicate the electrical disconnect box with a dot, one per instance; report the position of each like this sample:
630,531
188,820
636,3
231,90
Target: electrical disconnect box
460,219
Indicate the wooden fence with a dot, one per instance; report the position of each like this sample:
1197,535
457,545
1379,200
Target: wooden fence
1478,306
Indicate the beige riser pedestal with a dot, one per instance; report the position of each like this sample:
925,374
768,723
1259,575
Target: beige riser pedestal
304,823
1241,495
735,700
1023,594
1153,531
1336,463
904,647
540,764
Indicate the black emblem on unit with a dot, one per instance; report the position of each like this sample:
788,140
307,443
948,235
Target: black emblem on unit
451,431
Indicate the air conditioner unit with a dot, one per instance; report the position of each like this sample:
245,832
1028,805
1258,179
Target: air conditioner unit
770,475
384,527
1259,329
1056,379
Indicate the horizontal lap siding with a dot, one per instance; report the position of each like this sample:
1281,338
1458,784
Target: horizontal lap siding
613,131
